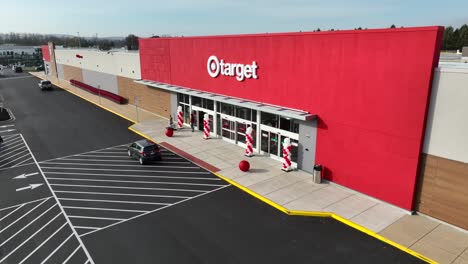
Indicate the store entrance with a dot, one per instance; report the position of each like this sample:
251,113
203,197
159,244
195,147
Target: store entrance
270,143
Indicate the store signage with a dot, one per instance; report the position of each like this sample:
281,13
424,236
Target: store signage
216,67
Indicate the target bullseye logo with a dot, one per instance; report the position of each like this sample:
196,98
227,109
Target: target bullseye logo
216,67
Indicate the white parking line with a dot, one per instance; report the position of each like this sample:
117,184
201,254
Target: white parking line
137,176
97,218
58,202
45,241
11,147
71,255
151,171
127,160
6,126
19,207
29,238
86,262
23,215
16,165
104,209
13,206
126,194
9,141
15,160
110,201
23,147
169,183
86,227
149,166
55,250
26,226
164,207
100,156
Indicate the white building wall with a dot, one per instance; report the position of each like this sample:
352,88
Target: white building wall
447,123
121,63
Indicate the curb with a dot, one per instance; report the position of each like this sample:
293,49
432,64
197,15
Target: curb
275,205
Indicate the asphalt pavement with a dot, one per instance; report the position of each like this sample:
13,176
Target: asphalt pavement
72,190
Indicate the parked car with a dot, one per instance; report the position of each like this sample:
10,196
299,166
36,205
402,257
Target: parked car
18,69
144,151
45,85
40,68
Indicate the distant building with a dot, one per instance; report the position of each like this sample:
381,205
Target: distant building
465,52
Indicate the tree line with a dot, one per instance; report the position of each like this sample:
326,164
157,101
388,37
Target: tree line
453,39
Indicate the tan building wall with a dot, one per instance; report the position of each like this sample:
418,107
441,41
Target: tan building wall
154,100
442,190
70,72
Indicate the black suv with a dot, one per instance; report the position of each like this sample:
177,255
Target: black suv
144,151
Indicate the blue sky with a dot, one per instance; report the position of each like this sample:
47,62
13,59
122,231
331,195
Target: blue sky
208,17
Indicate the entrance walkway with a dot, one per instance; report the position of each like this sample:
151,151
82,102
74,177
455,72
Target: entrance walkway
295,192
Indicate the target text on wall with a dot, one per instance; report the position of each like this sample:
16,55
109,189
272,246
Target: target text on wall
217,66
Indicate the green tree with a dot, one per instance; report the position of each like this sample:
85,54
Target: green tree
131,41
393,26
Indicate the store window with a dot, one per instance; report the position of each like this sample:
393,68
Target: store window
196,101
269,119
227,109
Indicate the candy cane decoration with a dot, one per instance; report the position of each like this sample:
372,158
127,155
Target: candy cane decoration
180,117
249,141
287,155
206,127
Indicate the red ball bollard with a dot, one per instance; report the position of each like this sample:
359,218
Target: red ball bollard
169,132
244,165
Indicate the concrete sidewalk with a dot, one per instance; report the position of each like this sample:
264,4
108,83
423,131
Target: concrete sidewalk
295,190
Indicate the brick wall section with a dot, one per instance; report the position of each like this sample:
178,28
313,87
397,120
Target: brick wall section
70,72
154,100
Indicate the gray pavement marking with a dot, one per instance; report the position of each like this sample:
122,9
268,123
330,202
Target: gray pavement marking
42,244
58,202
120,165
110,201
26,226
23,215
135,176
19,207
169,183
30,187
97,218
56,249
25,176
71,255
104,209
29,238
124,194
25,203
164,207
70,168
86,262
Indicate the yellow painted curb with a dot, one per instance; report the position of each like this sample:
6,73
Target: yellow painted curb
313,214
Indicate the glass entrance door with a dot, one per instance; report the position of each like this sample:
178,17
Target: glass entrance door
270,143
228,129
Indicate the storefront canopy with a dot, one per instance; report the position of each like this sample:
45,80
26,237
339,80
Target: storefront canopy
286,112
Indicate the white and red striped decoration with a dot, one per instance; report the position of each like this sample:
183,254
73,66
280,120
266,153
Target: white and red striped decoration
180,117
206,126
249,141
287,155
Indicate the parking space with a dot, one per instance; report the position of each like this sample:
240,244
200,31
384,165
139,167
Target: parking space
13,150
37,232
103,188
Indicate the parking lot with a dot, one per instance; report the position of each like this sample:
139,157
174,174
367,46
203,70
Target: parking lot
105,187
122,212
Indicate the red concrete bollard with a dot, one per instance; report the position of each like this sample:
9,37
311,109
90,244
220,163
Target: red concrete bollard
244,165
169,131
